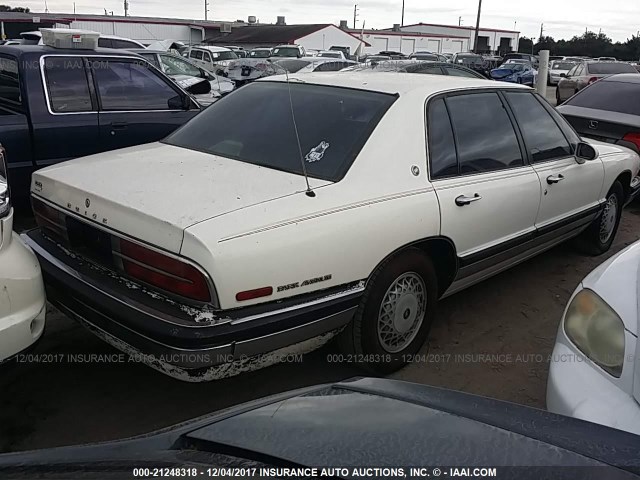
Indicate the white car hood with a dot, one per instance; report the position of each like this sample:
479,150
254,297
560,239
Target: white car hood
616,282
154,192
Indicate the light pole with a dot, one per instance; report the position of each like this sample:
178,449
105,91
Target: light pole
475,41
402,20
206,9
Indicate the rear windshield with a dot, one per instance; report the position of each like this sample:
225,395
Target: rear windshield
9,82
562,65
285,52
611,96
255,125
610,68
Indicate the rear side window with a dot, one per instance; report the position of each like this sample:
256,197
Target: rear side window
611,96
124,44
197,54
206,57
485,137
542,136
9,81
127,86
610,68
67,84
105,42
333,125
458,72
442,149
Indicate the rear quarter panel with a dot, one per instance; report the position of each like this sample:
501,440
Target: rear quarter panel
616,160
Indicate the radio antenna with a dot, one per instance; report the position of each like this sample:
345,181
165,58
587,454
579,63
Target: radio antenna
309,192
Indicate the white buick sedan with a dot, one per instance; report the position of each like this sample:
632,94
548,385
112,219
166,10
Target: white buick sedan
595,367
292,210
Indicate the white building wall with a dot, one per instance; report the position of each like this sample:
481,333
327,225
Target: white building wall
469,33
142,32
328,37
409,44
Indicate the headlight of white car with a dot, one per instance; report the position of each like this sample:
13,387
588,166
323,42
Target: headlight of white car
5,197
596,330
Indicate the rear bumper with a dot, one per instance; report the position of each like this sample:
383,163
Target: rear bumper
185,348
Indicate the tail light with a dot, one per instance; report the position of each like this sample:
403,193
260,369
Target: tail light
49,219
5,193
633,138
163,271
592,80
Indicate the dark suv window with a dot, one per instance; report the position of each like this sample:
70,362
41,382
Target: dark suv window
9,81
197,54
67,84
485,137
105,42
333,124
542,136
612,96
132,86
442,148
124,44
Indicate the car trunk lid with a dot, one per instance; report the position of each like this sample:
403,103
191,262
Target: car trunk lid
154,192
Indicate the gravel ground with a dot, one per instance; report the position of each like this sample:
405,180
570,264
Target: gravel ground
514,315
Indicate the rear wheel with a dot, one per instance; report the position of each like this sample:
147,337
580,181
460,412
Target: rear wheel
598,238
558,100
395,314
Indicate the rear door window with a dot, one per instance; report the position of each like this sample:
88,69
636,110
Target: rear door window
612,96
542,136
486,140
197,54
333,125
10,82
67,84
206,57
105,42
125,86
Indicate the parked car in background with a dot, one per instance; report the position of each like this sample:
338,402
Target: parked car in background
393,55
412,66
246,70
212,59
188,75
105,41
239,51
606,59
346,51
516,71
595,368
553,58
372,59
260,53
473,62
427,57
607,110
532,59
312,64
575,59
557,69
337,420
331,54
586,73
49,114
162,273
288,51
22,297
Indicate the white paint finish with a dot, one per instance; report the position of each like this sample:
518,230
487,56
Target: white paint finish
494,36
22,296
408,46
143,190
433,46
328,37
455,46
142,32
508,208
378,44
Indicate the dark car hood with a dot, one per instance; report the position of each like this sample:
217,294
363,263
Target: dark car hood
368,422
503,72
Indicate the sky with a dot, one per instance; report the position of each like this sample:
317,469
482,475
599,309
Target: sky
561,18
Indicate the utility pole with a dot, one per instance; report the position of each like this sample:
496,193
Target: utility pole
206,9
402,21
475,42
126,8
355,15
514,25
541,31
459,21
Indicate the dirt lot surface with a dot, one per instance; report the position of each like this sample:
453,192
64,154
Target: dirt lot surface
493,339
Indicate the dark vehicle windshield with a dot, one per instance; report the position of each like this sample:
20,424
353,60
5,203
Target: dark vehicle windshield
469,59
9,83
285,52
333,124
260,53
610,68
611,96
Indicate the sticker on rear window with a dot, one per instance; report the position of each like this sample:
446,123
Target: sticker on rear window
317,153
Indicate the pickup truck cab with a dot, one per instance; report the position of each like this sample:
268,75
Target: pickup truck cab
58,104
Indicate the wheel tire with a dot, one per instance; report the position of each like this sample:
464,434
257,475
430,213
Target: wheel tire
558,101
519,81
593,241
361,338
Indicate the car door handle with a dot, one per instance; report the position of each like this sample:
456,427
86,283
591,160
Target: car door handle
551,179
119,125
463,200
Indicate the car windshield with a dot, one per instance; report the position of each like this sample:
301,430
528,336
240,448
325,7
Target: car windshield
330,55
516,67
177,66
611,96
333,124
285,52
562,65
224,55
610,68
260,53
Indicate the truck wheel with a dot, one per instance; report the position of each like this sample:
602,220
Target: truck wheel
598,238
395,313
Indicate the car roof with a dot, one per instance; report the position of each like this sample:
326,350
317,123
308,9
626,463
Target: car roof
212,48
20,50
622,77
393,82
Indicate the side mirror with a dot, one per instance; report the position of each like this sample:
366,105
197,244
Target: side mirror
585,152
564,75
180,102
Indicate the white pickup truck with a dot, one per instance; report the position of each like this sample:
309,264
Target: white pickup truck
343,202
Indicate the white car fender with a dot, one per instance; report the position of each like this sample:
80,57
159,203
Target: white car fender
615,160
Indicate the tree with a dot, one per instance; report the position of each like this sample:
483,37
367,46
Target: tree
7,8
525,45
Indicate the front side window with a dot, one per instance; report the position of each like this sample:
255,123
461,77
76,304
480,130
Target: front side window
333,125
127,86
572,72
485,137
206,57
442,149
542,136
10,81
67,84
